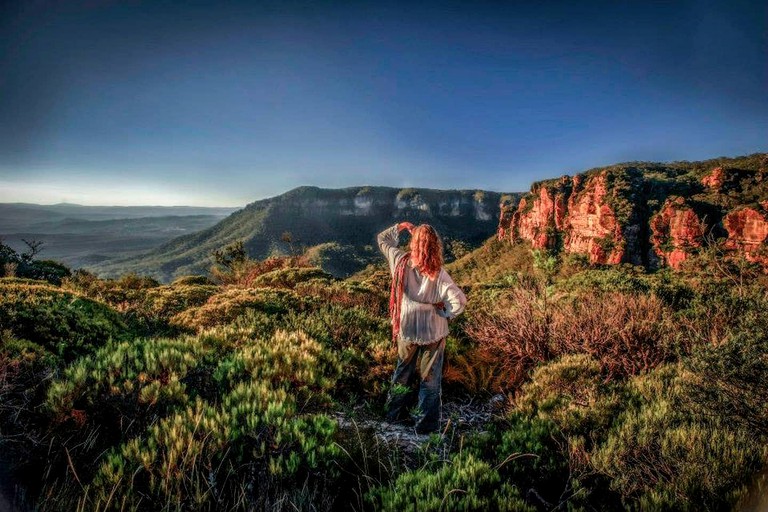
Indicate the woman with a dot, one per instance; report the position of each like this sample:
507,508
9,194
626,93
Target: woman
422,299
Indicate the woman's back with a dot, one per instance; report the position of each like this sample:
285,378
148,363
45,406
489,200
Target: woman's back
421,320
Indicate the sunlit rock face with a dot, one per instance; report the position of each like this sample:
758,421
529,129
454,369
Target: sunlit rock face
647,213
363,205
676,232
534,218
570,212
715,179
591,224
481,210
748,232
413,201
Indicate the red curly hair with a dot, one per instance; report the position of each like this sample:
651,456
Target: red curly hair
426,250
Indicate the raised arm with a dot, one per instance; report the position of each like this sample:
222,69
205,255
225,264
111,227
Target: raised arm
453,298
388,241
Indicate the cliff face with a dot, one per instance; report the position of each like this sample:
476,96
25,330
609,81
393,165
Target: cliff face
590,226
648,214
748,232
676,231
349,218
538,217
574,214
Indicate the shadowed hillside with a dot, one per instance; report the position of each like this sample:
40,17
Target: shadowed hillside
308,216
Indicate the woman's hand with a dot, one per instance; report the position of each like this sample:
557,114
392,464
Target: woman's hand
405,225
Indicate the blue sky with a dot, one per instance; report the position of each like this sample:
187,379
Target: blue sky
108,102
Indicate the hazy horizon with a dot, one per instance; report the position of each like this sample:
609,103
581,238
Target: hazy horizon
222,104
214,205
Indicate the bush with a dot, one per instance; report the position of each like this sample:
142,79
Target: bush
572,392
730,381
626,333
47,270
193,280
348,294
63,323
127,384
289,359
515,332
532,452
226,306
623,278
290,277
217,457
164,302
661,455
463,483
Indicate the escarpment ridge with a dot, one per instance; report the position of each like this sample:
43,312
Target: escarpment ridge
650,214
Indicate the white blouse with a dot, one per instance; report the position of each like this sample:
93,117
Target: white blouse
420,321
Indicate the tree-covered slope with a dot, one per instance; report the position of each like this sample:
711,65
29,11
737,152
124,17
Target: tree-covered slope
308,216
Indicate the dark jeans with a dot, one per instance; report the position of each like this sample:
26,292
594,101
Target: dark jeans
425,364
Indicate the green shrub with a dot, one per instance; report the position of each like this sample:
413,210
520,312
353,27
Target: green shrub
361,340
193,280
621,278
123,383
463,483
47,270
347,294
532,452
290,277
573,392
730,381
64,323
226,306
289,359
210,456
661,455
164,302
23,280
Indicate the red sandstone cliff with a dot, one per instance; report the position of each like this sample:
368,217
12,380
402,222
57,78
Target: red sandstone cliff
630,214
676,231
591,227
535,219
748,232
576,210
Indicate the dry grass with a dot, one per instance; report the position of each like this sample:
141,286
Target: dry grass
626,333
514,332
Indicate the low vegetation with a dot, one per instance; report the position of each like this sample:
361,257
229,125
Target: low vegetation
615,389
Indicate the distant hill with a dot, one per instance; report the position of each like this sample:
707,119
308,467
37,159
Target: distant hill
348,218
38,218
83,235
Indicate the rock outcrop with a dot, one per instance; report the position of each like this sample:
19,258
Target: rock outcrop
591,227
748,233
715,179
648,214
676,231
572,214
535,219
